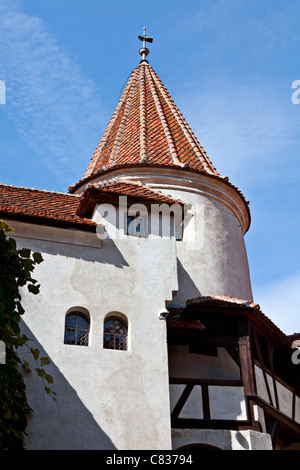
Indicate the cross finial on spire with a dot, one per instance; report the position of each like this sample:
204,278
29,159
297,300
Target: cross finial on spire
144,51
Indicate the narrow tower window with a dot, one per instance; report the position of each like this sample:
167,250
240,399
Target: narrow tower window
115,333
77,327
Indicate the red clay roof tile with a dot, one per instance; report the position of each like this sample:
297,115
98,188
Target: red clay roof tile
228,302
48,207
148,127
133,189
94,193
64,209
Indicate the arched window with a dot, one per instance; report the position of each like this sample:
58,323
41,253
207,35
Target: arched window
115,333
77,327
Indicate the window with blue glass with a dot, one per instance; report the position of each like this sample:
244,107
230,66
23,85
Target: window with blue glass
136,226
115,333
77,328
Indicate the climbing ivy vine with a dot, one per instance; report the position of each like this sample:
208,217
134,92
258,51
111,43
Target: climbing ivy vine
16,267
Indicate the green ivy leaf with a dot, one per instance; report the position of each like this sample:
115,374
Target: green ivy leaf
25,252
34,289
35,353
5,227
49,378
44,361
26,365
41,372
16,270
37,257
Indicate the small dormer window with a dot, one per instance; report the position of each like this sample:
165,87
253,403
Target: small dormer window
136,226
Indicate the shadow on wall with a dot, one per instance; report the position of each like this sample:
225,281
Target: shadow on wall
197,447
109,253
242,440
187,289
64,424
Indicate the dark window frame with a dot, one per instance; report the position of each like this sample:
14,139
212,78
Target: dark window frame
79,332
113,337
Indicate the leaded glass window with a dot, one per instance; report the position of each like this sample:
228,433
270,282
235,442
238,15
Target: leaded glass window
77,329
115,334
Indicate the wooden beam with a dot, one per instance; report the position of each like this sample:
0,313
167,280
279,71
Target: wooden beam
229,343
247,368
274,431
276,414
211,424
271,361
195,381
205,402
246,359
182,400
262,365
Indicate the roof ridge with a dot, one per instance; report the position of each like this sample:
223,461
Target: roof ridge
143,120
119,135
197,147
164,122
38,190
112,120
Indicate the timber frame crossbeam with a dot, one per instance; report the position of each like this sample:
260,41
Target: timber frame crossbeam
250,345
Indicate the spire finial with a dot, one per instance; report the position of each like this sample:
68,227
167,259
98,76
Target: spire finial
144,51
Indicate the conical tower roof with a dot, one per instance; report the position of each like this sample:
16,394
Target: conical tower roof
148,128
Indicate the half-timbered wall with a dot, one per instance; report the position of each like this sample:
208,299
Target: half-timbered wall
205,387
278,394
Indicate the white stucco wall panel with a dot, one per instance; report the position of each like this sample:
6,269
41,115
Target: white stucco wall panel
116,392
220,439
285,398
193,407
182,363
217,263
227,403
297,410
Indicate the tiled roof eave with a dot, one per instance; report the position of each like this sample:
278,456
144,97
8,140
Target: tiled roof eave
112,190
240,306
42,207
107,171
42,219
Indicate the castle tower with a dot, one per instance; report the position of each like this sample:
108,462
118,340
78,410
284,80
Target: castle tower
148,141
145,307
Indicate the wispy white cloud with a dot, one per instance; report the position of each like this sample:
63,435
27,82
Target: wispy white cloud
280,302
54,105
246,130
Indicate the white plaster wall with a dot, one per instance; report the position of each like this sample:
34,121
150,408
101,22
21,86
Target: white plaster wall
225,402
297,410
221,439
285,396
216,264
182,363
105,398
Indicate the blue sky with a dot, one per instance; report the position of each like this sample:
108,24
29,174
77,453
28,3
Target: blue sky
229,66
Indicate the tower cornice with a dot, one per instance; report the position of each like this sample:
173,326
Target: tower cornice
186,179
